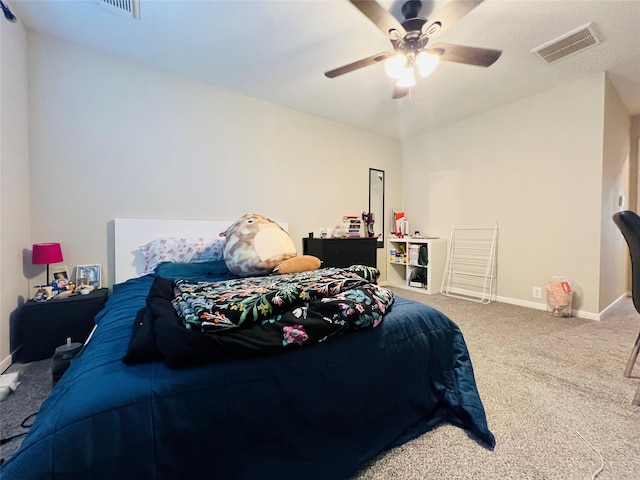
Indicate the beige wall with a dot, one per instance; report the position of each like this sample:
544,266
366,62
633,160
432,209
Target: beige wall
111,138
14,181
535,168
615,183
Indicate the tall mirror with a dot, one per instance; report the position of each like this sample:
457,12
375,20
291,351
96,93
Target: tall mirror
376,204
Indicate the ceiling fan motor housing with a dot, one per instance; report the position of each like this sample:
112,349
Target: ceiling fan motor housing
414,25
413,39
411,9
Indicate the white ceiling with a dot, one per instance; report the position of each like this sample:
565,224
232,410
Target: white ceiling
278,51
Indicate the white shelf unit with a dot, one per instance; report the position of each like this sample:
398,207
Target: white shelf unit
399,272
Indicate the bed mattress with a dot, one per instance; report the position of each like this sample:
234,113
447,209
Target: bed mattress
320,412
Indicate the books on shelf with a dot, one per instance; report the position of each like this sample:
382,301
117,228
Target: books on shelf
414,254
400,224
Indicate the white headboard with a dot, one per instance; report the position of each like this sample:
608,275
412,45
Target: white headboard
131,233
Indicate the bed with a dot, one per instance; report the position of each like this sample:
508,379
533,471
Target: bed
322,411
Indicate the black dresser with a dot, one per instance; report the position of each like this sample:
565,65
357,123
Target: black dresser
342,252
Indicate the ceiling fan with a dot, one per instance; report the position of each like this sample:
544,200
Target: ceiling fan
410,39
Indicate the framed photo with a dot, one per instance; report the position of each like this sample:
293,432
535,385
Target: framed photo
42,293
89,275
60,278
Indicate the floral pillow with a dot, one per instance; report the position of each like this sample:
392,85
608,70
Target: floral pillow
181,250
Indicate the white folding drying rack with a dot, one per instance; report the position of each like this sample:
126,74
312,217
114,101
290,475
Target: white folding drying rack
470,270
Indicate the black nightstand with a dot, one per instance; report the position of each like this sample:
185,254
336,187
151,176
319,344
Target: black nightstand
43,326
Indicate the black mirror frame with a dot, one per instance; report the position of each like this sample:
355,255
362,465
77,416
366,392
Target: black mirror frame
378,216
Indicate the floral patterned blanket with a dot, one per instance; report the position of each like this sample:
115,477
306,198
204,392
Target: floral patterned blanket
195,322
348,292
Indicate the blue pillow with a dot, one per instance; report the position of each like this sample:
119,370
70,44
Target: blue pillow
212,271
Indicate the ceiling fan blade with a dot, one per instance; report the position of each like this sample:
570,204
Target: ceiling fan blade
381,17
448,15
399,92
365,62
482,57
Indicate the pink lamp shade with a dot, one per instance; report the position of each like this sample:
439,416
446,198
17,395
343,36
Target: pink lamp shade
46,253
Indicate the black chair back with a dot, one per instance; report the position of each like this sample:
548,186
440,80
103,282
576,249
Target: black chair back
629,224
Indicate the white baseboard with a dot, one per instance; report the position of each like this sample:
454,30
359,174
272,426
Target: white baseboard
522,303
540,306
624,295
6,363
575,313
543,306
8,360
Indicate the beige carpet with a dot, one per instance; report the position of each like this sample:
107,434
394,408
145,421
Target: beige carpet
544,381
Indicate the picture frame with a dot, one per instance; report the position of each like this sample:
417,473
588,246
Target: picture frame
92,273
60,278
60,272
42,293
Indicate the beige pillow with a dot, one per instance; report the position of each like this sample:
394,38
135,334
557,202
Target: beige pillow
302,263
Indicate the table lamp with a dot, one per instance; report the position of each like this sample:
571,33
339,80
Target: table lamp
46,253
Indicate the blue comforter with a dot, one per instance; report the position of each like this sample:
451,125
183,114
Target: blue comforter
319,412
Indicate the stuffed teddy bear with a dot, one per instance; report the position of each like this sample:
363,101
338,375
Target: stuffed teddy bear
254,245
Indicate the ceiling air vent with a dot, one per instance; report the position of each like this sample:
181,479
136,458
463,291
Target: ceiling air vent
568,44
126,8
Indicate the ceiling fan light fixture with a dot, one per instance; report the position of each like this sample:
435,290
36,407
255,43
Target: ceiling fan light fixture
394,65
407,78
433,28
394,34
427,63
